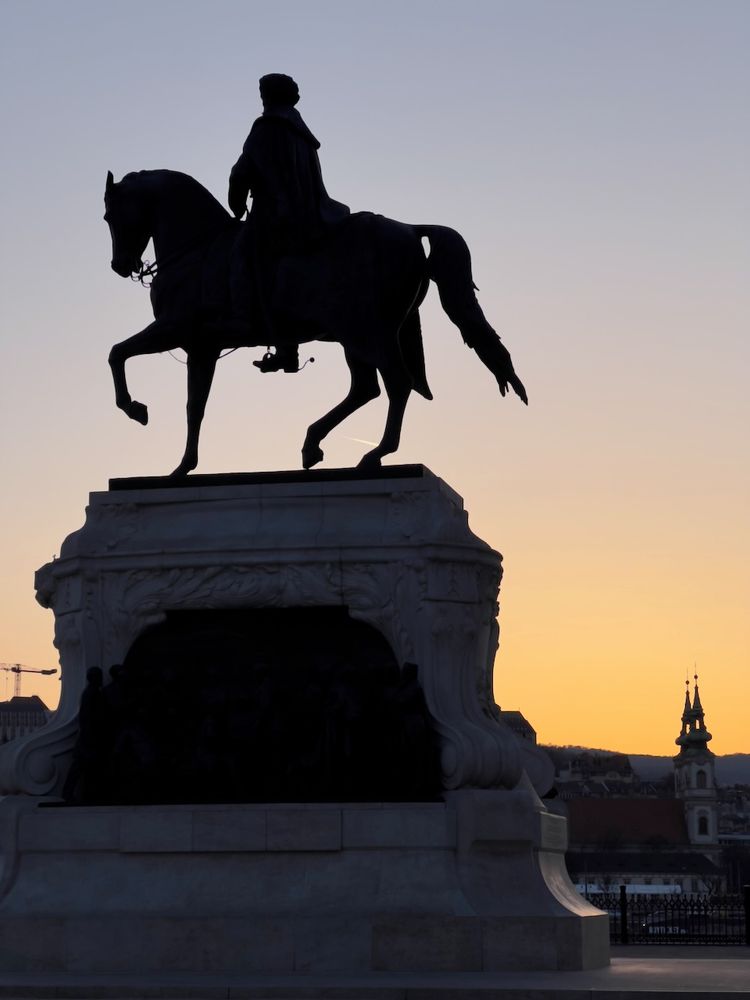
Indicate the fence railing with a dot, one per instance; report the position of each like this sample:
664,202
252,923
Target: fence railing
687,918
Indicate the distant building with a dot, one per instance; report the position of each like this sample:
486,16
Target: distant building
600,774
734,814
648,842
520,725
695,777
21,715
642,844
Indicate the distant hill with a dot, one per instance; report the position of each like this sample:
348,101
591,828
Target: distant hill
649,767
731,769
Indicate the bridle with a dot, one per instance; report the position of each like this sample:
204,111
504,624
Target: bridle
149,270
146,273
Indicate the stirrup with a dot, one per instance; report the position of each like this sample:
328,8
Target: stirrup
273,363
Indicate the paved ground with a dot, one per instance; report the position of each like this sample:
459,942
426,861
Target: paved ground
724,975
679,951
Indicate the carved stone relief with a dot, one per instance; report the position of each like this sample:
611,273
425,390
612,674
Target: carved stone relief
423,580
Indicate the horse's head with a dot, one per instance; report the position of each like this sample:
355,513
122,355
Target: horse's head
125,212
167,205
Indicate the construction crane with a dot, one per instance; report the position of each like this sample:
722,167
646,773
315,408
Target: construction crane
18,669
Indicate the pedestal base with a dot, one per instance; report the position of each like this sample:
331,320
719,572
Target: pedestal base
393,552
475,884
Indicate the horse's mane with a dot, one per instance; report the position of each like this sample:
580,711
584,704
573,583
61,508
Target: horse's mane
166,183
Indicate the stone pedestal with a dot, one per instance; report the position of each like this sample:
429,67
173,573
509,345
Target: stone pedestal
476,881
473,884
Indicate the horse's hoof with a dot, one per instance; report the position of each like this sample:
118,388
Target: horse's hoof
137,411
182,469
311,456
370,463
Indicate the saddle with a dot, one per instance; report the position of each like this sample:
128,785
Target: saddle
248,284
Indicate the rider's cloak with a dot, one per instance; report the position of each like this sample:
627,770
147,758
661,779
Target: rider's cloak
280,167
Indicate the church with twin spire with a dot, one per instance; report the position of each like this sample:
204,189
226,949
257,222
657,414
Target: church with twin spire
656,840
694,773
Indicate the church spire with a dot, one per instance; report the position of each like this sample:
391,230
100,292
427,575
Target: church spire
687,709
694,736
697,707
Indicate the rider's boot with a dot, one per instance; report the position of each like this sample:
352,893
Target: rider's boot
285,359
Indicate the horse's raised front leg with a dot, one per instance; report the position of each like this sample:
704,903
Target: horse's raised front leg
157,337
201,365
364,387
398,385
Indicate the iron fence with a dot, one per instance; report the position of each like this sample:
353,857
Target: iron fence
686,918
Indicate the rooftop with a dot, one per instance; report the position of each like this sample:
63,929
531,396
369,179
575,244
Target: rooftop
626,821
23,703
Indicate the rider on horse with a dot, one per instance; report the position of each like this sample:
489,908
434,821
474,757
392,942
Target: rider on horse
291,209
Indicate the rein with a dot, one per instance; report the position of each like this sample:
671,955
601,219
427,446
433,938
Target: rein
224,355
150,269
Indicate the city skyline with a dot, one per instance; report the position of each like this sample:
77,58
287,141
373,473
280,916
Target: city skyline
595,160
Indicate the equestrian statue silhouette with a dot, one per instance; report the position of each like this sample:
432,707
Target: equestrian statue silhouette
300,268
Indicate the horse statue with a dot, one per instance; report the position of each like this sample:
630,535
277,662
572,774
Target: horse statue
361,286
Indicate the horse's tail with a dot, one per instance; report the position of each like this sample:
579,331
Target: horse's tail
449,266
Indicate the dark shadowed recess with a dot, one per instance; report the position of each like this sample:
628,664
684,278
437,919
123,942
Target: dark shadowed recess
262,705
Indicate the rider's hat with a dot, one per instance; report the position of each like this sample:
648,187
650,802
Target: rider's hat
278,88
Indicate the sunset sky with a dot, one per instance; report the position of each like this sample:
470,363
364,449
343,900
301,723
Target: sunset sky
593,154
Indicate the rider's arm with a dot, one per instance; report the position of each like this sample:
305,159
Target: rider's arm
242,175
267,164
239,187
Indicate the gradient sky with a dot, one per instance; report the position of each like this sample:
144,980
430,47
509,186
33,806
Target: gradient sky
595,157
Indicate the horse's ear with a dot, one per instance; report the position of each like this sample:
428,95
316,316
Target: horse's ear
110,180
